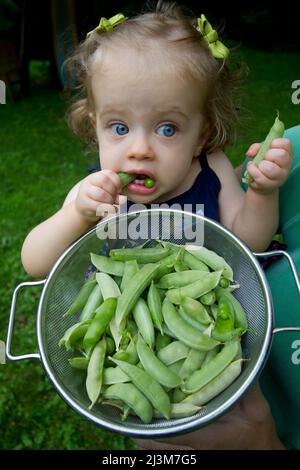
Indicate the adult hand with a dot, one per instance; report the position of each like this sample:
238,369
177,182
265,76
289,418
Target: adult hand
248,426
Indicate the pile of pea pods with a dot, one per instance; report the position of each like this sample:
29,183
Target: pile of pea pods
158,330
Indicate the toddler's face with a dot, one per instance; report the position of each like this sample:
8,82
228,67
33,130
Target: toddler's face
148,122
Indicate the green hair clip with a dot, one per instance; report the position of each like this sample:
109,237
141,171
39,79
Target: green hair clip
108,24
217,48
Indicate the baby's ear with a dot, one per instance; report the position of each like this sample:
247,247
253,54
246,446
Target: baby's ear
203,138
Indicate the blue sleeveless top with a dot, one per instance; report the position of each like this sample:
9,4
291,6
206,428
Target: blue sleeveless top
205,190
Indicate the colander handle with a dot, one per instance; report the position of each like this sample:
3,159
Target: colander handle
11,323
296,277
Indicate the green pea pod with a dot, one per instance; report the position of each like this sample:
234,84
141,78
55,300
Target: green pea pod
211,259
224,282
110,345
276,131
79,362
94,301
109,288
126,178
131,267
152,390
185,332
239,313
73,334
132,328
181,279
196,289
166,265
99,323
190,320
226,336
208,299
132,352
173,352
95,372
82,296
225,316
108,285
181,410
156,368
186,258
136,285
154,304
161,341
114,375
180,266
193,362
107,265
215,386
121,355
134,399
195,310
210,355
224,329
193,262
143,320
202,377
141,255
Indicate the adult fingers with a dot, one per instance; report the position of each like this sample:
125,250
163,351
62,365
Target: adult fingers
150,444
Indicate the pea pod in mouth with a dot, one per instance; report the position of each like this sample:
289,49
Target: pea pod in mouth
127,178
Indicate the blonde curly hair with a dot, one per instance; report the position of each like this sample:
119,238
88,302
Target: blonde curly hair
170,28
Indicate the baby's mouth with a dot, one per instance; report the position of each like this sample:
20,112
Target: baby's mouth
140,179
137,181
143,179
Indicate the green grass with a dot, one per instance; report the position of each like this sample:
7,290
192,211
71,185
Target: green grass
40,161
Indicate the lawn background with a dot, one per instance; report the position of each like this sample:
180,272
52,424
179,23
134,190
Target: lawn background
40,161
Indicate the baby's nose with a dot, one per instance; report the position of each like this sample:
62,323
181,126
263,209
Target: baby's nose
140,148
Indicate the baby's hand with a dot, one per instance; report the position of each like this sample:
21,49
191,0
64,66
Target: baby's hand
271,172
97,194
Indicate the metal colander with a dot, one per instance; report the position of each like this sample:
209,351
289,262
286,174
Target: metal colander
131,230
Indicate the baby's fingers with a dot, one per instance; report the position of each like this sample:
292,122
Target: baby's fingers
270,170
252,150
279,157
100,195
282,143
267,176
107,180
104,210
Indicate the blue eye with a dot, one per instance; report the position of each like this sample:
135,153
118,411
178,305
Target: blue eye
167,130
119,129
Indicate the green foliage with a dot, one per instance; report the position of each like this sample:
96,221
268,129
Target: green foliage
8,10
40,162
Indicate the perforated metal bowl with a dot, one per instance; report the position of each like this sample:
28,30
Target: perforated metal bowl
67,276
